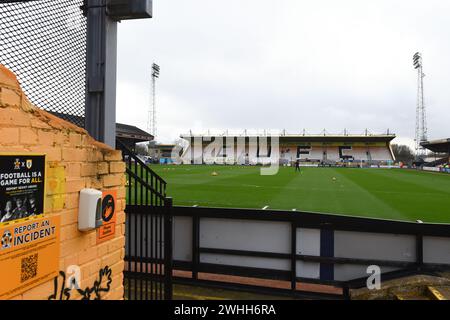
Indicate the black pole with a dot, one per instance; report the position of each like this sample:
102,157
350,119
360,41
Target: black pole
168,249
293,256
419,251
195,245
100,114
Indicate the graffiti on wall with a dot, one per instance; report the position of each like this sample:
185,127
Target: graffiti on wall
64,290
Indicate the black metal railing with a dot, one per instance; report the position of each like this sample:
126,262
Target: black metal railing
148,252
326,260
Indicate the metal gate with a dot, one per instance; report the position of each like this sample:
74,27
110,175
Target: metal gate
148,249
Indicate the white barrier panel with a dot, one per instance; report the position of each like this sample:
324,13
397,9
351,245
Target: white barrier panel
308,243
275,237
384,167
436,250
432,169
371,246
262,236
378,246
182,238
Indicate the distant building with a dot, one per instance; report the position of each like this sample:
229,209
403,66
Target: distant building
439,147
162,153
131,135
127,134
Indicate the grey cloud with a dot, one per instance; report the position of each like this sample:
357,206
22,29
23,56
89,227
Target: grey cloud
294,65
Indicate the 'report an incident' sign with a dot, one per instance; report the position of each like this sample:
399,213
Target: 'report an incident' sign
29,254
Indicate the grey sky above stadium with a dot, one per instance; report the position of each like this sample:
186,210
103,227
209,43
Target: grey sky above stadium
288,64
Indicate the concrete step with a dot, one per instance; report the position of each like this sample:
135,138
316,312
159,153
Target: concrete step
408,296
415,287
439,292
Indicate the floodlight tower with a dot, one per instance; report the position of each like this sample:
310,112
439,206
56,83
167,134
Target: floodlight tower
152,111
421,121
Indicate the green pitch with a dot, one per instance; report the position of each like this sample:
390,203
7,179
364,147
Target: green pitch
380,193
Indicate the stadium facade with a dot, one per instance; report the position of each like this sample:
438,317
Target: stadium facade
325,149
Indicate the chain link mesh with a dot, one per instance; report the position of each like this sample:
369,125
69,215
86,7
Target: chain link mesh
44,43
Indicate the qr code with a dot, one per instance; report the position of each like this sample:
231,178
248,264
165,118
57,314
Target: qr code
29,267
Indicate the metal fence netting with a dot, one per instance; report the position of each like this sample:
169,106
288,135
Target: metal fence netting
44,43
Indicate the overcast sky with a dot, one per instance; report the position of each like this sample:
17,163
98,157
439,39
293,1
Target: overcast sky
287,64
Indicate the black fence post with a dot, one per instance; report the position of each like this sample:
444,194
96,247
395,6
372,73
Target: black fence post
168,249
293,256
419,251
346,292
100,112
195,245
327,251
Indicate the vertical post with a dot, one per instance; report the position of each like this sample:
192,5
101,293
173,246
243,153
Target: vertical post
224,150
128,233
293,256
152,113
168,249
326,250
346,291
101,77
192,149
109,135
195,245
147,256
135,242
142,237
419,251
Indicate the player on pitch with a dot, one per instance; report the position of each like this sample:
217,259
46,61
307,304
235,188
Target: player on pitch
297,165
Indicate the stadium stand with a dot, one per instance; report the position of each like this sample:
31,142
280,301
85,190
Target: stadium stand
361,153
379,154
441,150
316,154
327,149
332,154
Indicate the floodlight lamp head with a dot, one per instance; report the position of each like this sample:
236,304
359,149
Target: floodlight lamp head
129,9
156,69
417,60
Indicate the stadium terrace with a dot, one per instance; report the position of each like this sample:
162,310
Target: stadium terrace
322,149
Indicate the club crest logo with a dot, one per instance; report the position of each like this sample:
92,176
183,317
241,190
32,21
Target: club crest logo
7,240
29,164
17,164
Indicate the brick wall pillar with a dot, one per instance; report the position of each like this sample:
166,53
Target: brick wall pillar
74,161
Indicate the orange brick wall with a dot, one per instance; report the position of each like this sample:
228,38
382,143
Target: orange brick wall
74,161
